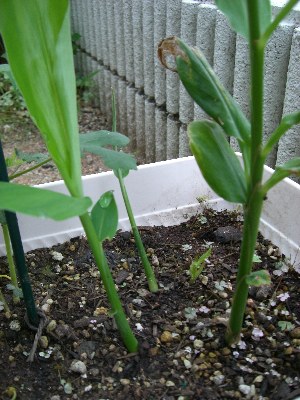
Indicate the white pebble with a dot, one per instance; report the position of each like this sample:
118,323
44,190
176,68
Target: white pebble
245,389
78,367
218,380
57,256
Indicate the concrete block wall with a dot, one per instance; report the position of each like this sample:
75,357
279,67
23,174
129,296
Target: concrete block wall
119,39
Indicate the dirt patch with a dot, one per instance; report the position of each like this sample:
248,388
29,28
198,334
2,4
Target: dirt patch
180,329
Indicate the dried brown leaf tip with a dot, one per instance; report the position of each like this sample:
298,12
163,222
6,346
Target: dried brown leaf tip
168,50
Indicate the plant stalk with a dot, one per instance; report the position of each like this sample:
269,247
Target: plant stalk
152,283
17,246
17,174
254,203
117,310
10,260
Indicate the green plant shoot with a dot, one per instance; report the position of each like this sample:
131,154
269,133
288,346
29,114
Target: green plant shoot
40,55
198,265
216,160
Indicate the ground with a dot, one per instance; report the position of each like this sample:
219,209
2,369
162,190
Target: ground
182,352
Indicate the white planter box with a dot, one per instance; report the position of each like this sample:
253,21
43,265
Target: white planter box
166,193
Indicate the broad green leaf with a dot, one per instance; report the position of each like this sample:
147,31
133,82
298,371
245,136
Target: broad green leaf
123,172
13,160
205,88
40,202
237,13
102,138
105,216
258,278
31,157
291,167
37,39
217,161
113,159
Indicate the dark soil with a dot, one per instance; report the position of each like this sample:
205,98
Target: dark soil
180,329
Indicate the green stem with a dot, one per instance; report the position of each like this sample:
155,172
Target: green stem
108,282
279,17
152,283
253,206
14,176
10,260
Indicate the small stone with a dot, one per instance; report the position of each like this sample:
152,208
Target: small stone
187,364
166,337
170,383
88,388
100,311
154,261
258,379
55,397
226,351
227,234
223,295
245,389
46,308
15,325
125,382
57,256
72,247
78,367
288,351
44,342
51,326
198,344
295,333
218,380
94,371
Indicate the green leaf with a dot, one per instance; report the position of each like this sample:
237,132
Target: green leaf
39,50
205,88
31,157
198,264
105,216
237,13
256,258
217,161
291,167
102,138
113,159
286,325
258,278
40,202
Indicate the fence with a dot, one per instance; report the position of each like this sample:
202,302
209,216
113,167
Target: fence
119,38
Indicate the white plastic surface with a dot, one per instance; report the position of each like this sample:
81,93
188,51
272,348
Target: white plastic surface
166,193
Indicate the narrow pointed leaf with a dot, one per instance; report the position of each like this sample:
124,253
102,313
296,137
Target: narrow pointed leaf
237,13
102,138
217,161
112,159
205,88
37,39
105,216
40,202
291,167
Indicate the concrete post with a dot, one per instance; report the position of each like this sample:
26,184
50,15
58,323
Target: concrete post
289,144
104,33
160,134
150,130
111,30
172,80
189,13
148,36
120,42
140,123
172,137
276,66
122,117
131,117
205,41
128,39
138,47
159,34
